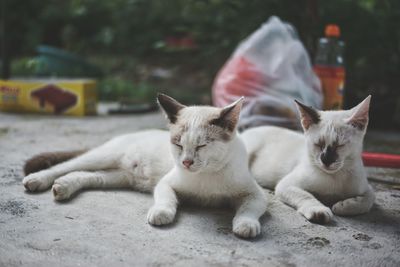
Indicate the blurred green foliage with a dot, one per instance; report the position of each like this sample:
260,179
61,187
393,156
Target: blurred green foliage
24,66
117,89
136,30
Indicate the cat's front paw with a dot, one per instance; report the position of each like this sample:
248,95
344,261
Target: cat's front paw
35,182
246,227
160,215
351,206
316,214
61,191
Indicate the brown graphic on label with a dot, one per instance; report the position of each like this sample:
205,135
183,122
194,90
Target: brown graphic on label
60,100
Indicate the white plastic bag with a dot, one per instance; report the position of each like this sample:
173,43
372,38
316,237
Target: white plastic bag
270,68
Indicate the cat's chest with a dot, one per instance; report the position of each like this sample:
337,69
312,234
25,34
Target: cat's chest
333,187
208,190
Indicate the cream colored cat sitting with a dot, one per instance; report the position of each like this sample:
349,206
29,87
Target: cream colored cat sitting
323,163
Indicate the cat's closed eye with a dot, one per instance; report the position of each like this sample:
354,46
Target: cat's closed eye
320,144
339,145
179,146
198,147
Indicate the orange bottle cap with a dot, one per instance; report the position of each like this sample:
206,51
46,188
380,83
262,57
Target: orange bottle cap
332,30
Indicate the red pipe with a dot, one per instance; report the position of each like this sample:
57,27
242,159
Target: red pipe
381,160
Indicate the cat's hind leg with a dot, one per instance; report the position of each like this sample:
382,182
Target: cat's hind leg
246,221
304,202
97,159
355,205
67,185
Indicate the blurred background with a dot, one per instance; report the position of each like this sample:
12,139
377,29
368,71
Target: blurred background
138,47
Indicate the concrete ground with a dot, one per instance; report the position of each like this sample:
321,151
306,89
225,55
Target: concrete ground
108,228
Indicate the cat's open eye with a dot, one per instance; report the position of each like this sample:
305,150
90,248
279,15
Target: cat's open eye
198,147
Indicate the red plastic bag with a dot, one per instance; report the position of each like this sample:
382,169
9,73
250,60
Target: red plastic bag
270,68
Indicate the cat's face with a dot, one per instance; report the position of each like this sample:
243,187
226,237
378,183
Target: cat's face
334,136
200,135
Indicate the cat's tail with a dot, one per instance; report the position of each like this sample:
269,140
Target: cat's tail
46,160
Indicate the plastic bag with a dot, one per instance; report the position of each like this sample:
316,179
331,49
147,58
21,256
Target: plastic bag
270,68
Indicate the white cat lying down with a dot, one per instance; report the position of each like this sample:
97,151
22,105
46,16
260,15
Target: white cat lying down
324,163
201,159
140,159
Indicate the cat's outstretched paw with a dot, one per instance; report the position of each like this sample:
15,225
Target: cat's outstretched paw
351,206
35,182
61,191
246,227
160,215
316,214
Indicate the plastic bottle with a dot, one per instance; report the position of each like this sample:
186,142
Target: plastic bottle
329,66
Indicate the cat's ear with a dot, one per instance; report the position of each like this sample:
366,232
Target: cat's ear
308,115
229,116
359,117
170,106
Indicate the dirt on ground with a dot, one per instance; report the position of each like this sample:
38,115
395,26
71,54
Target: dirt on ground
109,228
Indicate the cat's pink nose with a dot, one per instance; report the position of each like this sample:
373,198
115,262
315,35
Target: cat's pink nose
187,163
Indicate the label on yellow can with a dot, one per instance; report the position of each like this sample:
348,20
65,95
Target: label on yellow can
332,81
75,97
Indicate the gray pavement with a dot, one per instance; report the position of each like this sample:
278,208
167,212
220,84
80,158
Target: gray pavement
109,228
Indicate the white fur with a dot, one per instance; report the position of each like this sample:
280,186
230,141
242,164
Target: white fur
231,182
219,173
290,163
135,160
